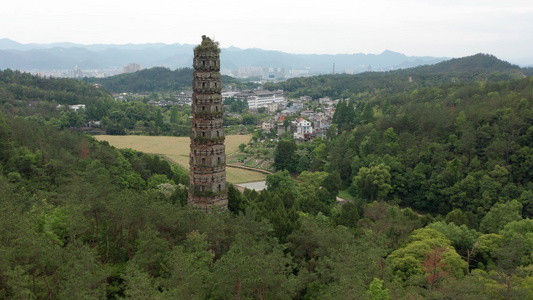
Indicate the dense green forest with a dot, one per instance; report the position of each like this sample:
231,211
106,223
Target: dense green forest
442,203
81,219
464,145
159,79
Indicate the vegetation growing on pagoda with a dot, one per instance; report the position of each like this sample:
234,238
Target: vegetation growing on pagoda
207,45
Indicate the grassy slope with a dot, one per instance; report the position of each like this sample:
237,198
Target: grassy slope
177,149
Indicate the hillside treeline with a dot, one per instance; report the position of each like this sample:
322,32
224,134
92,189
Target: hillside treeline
479,67
46,101
147,80
159,79
20,90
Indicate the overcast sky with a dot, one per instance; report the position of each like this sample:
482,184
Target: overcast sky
454,28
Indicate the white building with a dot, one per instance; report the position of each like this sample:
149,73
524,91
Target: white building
76,107
303,129
228,92
261,98
266,126
185,97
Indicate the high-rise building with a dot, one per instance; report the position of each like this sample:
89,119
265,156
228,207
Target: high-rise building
273,73
131,68
207,185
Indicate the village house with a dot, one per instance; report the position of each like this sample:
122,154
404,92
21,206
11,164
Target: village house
272,107
92,124
233,115
185,97
323,123
76,107
280,126
162,102
266,126
307,113
287,112
325,101
71,107
329,111
297,105
303,129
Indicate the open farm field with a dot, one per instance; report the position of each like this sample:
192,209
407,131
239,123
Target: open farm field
177,149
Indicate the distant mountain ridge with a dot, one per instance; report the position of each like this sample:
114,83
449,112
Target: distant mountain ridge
57,56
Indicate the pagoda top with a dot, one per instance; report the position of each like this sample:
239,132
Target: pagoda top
207,45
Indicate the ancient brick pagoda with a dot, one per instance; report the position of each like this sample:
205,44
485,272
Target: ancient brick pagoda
207,185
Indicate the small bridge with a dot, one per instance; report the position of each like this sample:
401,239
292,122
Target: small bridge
227,165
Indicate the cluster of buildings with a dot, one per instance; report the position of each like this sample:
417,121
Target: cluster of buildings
305,124
266,73
164,102
261,98
132,68
79,73
255,98
75,73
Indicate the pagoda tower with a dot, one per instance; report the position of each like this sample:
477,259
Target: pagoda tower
207,184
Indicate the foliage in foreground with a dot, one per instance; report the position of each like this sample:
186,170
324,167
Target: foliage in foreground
79,219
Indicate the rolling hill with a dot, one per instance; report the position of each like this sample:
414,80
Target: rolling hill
483,67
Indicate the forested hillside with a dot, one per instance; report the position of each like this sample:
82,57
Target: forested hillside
47,100
81,219
463,145
479,67
17,88
460,151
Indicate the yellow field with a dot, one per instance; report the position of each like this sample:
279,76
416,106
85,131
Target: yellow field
177,149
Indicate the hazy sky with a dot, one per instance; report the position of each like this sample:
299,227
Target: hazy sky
453,28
